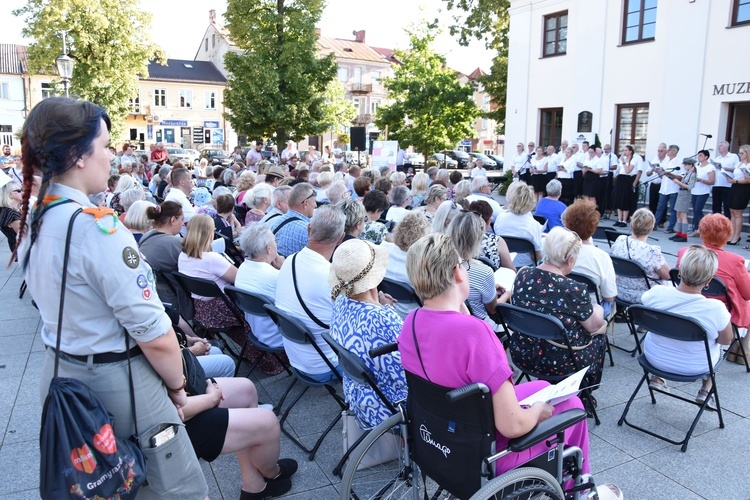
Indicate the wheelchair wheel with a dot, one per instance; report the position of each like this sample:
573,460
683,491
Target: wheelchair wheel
395,479
525,483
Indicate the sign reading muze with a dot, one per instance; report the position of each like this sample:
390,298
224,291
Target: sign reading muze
732,88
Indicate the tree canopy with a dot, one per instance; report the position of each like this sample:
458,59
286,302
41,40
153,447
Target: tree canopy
277,81
487,21
430,109
108,40
338,110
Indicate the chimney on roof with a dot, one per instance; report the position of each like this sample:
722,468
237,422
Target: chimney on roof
359,36
212,16
317,32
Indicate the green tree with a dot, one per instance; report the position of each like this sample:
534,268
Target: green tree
109,41
277,83
338,110
487,21
430,110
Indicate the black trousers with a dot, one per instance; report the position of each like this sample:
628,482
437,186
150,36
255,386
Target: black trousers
653,197
719,199
577,183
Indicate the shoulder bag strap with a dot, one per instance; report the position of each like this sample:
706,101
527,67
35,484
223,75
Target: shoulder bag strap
290,219
416,342
299,297
63,284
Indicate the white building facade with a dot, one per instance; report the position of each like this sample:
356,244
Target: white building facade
635,72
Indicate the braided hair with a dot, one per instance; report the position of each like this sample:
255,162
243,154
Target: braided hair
58,132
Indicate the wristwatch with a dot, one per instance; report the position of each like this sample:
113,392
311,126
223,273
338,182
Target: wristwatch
179,389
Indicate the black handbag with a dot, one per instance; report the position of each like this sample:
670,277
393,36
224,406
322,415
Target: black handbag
194,373
80,454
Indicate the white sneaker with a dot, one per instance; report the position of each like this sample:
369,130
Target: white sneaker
609,491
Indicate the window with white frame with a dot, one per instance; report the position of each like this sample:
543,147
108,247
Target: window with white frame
357,104
376,75
209,99
4,94
160,98
48,90
485,123
357,75
186,98
343,74
135,104
374,106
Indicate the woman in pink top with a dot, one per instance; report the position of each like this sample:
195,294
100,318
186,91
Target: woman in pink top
456,349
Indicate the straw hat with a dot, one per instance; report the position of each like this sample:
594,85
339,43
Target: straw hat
357,266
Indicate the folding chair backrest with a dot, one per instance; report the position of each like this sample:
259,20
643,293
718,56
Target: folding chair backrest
585,280
248,302
612,236
356,369
453,430
626,268
540,219
532,323
403,292
518,245
290,327
10,234
716,287
674,276
666,324
199,286
487,262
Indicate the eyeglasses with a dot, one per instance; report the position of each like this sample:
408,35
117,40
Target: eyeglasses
311,195
465,264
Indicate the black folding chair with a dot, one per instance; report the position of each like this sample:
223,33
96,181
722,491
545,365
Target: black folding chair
717,288
251,303
403,292
293,330
207,288
520,245
625,268
543,327
540,219
612,236
360,373
592,288
683,329
487,262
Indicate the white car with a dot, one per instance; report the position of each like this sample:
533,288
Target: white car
194,156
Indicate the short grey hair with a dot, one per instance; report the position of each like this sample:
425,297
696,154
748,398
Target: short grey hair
129,197
436,191
136,218
560,245
554,188
642,221
261,192
337,192
281,193
399,195
698,265
324,179
255,238
466,230
354,211
398,178
442,175
327,224
219,191
432,171
300,192
477,183
228,176
444,215
462,189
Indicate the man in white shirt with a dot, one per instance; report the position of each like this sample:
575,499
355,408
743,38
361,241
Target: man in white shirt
279,203
480,190
669,189
552,163
561,153
288,152
182,186
478,170
653,178
579,156
725,162
254,156
312,266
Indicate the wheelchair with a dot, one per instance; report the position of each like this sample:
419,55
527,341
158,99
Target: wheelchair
447,450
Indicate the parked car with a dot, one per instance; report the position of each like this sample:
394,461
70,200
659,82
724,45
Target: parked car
415,160
462,157
194,156
140,152
443,160
179,154
488,162
216,157
499,160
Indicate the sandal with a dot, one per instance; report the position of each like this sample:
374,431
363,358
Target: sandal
702,395
658,384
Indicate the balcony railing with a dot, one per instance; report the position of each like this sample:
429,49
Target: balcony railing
363,88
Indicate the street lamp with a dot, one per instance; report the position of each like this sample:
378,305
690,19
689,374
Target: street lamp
65,65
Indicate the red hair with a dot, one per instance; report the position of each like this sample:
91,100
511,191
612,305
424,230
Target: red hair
715,230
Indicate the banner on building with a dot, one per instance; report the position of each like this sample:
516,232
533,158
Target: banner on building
197,135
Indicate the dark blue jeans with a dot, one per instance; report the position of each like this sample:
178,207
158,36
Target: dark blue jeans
698,202
667,200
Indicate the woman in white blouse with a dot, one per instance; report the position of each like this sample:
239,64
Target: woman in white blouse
565,176
739,195
539,173
591,171
706,176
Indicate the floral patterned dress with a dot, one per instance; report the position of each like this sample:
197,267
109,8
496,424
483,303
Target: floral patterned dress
568,301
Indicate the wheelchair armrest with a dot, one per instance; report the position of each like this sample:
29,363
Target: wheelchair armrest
550,427
466,391
383,349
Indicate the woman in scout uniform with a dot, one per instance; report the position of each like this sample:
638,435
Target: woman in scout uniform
109,292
